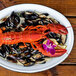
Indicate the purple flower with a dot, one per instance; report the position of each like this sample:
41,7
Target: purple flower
49,47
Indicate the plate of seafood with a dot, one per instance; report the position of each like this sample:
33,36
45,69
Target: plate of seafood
33,38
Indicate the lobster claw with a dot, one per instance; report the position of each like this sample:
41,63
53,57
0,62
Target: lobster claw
58,28
58,52
62,29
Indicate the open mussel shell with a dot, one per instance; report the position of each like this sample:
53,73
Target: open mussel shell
29,63
46,14
27,54
41,61
53,35
38,59
63,38
26,61
37,56
2,53
11,58
58,39
21,61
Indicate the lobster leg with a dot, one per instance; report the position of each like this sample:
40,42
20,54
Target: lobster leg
33,46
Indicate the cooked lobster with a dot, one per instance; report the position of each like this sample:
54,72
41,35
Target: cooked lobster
32,35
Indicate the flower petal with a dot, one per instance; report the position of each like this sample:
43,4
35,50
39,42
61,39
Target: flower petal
44,46
54,45
48,42
51,42
52,51
48,50
49,47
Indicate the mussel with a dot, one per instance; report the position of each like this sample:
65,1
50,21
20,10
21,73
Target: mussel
40,22
46,14
12,58
58,39
41,61
31,16
52,35
55,36
37,56
12,21
26,61
6,49
2,53
21,61
29,62
27,53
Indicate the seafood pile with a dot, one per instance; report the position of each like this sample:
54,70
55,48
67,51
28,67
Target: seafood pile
30,37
